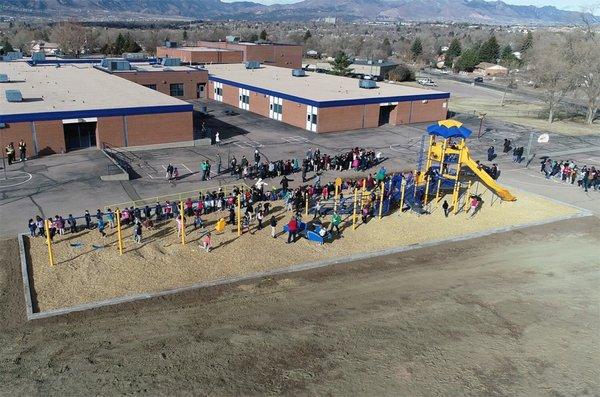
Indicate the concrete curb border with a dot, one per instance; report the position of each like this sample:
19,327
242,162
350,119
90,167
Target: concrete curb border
252,276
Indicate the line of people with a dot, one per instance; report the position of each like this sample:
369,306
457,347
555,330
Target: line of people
586,177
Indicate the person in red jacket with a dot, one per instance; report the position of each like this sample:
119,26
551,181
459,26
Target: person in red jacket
292,230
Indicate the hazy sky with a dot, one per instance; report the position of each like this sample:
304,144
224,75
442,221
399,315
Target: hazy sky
573,5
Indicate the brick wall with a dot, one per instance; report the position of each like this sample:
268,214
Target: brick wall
294,113
14,132
259,104
110,130
231,95
159,128
163,80
50,137
401,114
288,56
348,118
432,110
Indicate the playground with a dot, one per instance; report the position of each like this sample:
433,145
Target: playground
89,269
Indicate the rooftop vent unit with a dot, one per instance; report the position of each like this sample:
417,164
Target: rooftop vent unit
4,78
170,44
252,65
171,62
135,56
232,39
13,55
367,83
115,64
298,72
13,96
38,56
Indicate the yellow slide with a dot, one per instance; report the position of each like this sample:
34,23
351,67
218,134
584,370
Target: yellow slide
487,179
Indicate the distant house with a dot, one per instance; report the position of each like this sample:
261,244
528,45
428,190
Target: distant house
45,47
312,54
491,69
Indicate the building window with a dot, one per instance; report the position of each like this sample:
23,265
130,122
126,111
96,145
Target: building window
176,89
151,86
219,91
277,108
245,99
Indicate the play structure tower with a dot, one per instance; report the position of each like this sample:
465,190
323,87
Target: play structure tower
447,156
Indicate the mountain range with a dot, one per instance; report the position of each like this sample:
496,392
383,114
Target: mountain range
472,11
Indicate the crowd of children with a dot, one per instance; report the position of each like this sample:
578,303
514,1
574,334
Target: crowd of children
586,177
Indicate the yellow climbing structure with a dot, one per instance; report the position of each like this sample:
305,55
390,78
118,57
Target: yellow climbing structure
439,152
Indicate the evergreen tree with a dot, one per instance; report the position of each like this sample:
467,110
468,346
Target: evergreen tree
490,50
386,47
454,50
417,48
307,35
253,38
263,35
6,47
185,35
468,60
527,42
340,64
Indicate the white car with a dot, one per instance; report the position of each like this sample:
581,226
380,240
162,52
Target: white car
426,82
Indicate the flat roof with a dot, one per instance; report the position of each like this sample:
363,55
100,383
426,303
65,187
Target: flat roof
146,67
76,91
316,89
204,49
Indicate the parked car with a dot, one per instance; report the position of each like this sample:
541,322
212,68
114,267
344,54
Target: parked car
478,79
426,82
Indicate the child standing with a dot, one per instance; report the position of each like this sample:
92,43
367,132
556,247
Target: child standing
88,219
32,227
273,223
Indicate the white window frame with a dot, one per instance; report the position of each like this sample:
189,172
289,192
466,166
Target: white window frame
244,104
312,118
273,100
218,87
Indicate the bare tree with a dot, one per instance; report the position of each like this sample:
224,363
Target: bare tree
70,37
551,71
584,54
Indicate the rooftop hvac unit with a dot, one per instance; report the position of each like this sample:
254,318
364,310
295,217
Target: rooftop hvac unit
38,56
367,84
3,78
171,62
135,56
13,96
115,64
170,44
13,55
298,72
252,65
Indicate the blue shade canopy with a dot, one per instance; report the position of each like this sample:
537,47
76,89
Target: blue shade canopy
449,129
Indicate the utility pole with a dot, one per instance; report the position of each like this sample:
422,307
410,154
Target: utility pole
481,117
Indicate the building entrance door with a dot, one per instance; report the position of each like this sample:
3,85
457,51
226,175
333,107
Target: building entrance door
201,90
384,114
80,135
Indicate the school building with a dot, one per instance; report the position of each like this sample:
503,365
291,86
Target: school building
322,103
57,109
233,51
173,79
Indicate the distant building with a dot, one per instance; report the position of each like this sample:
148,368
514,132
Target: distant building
274,54
201,55
45,47
330,20
377,69
491,69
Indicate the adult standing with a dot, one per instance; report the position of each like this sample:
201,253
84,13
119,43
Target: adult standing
10,153
292,230
22,150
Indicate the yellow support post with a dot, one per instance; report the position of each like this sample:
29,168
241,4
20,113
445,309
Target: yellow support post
239,214
362,193
402,195
437,192
354,212
426,190
182,221
119,234
49,242
468,192
381,199
306,205
335,198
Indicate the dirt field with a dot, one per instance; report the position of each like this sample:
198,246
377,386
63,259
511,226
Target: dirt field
508,314
84,274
